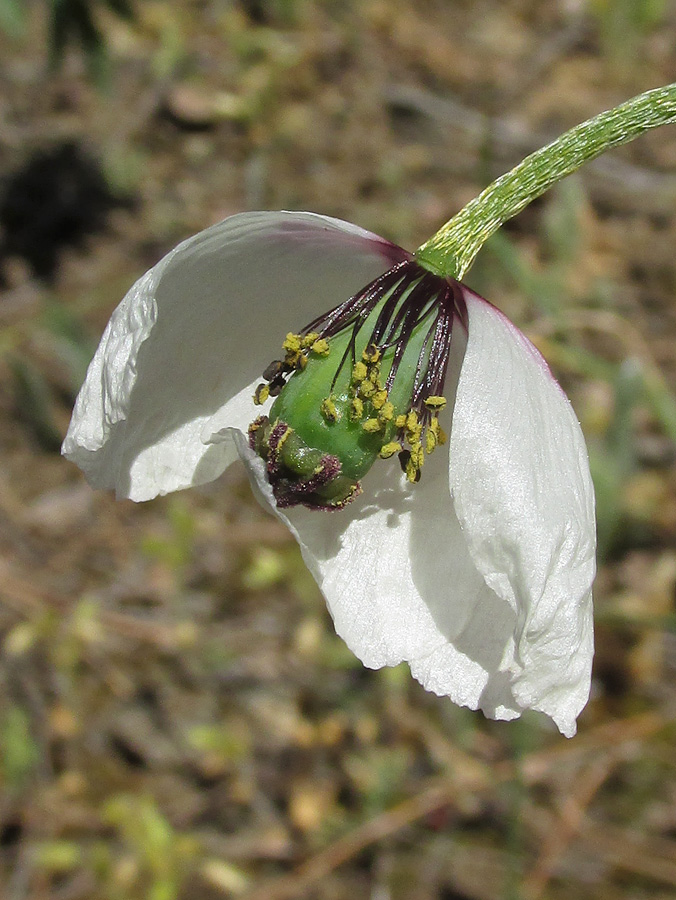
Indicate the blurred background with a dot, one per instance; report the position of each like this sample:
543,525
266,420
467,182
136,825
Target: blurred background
177,718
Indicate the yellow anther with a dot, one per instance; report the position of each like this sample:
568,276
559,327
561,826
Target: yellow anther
261,394
292,343
434,435
435,403
309,339
412,472
320,347
374,376
329,410
412,461
357,410
366,389
412,420
371,354
439,434
400,421
388,450
379,399
386,413
359,372
413,435
371,426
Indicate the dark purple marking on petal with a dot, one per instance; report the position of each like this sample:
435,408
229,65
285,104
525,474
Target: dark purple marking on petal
393,253
519,336
324,231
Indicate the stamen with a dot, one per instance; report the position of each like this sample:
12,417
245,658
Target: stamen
371,354
386,413
394,346
329,410
272,371
379,399
293,343
320,347
359,373
261,394
309,339
276,386
388,450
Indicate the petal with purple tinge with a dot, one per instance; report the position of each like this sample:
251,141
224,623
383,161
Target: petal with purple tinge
193,334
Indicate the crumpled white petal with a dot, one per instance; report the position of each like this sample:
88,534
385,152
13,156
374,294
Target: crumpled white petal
486,594
522,491
190,338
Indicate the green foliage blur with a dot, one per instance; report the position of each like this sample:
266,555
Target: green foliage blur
71,23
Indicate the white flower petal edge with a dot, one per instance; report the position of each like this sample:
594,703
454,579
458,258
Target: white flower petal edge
520,482
189,340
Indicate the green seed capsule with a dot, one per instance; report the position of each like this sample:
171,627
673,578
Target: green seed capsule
302,403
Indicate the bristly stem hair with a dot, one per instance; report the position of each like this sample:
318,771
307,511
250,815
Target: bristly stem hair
451,251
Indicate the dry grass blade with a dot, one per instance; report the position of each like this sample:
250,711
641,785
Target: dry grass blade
650,857
442,792
570,821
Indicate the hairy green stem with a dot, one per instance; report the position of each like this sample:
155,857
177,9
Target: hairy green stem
452,249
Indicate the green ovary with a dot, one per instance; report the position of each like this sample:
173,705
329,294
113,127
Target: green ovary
300,402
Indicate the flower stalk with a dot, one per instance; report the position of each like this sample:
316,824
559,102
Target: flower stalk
451,251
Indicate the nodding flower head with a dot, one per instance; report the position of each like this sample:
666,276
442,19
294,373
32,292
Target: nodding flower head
475,563
364,380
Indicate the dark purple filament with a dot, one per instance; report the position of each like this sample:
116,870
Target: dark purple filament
413,296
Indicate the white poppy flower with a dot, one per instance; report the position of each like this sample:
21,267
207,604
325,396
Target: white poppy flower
479,576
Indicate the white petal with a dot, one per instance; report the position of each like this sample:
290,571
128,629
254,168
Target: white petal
400,584
195,331
490,606
519,477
